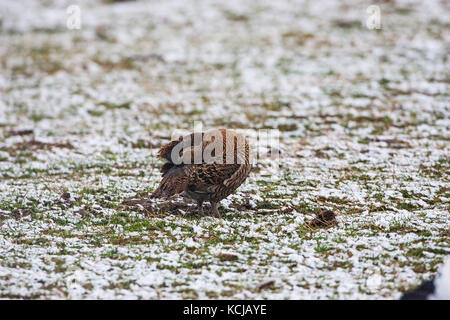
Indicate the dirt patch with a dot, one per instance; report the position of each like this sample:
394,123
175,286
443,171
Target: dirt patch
34,145
393,143
266,285
324,219
146,144
227,257
38,145
15,214
19,132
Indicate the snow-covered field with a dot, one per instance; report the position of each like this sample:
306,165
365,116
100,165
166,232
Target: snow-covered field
364,121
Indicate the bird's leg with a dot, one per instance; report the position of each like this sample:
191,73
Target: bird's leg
200,206
214,211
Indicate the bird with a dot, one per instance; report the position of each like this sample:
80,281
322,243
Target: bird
204,166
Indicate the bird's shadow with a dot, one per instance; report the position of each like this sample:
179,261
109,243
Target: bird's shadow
178,205
152,208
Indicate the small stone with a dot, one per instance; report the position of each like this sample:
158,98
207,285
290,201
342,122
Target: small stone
65,196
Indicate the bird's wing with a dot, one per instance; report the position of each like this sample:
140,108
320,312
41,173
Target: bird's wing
207,176
175,180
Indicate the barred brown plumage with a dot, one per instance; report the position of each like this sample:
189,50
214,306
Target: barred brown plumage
204,166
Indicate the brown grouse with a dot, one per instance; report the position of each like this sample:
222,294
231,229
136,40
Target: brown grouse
204,166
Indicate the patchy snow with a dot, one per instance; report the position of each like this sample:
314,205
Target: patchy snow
364,123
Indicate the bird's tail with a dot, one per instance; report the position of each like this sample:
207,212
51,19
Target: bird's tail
174,181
